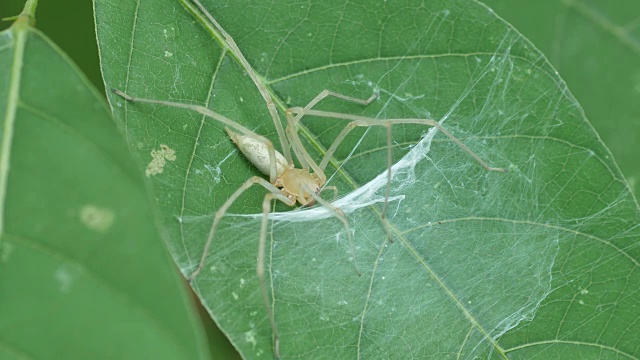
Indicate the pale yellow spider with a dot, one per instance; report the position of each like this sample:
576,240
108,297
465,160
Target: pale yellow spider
288,183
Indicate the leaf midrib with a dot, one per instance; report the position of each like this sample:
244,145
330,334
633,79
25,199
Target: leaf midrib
19,30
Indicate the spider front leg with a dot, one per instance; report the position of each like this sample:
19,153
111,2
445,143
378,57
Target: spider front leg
363,121
217,117
266,208
343,218
260,268
292,132
295,141
334,189
326,93
275,193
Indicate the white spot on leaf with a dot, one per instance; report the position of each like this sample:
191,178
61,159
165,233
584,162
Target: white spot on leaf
64,279
250,337
5,251
97,219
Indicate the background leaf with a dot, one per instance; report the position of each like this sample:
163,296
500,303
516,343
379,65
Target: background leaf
595,47
83,273
535,263
76,38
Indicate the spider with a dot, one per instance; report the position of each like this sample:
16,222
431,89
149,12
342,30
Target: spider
288,183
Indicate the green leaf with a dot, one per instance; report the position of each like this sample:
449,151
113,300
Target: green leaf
83,272
596,48
534,263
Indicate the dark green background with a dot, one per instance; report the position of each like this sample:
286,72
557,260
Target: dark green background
70,25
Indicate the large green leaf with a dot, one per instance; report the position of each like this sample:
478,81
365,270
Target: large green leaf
537,262
596,48
83,272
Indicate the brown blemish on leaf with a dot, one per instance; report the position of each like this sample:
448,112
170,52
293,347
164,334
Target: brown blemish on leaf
159,158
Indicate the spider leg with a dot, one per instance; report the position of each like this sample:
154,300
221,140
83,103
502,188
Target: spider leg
332,188
275,193
233,47
292,133
214,115
266,207
326,93
339,214
301,153
364,121
357,120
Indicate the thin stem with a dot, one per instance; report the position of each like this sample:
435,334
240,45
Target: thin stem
233,47
29,11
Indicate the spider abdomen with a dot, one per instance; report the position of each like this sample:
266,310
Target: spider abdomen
257,153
